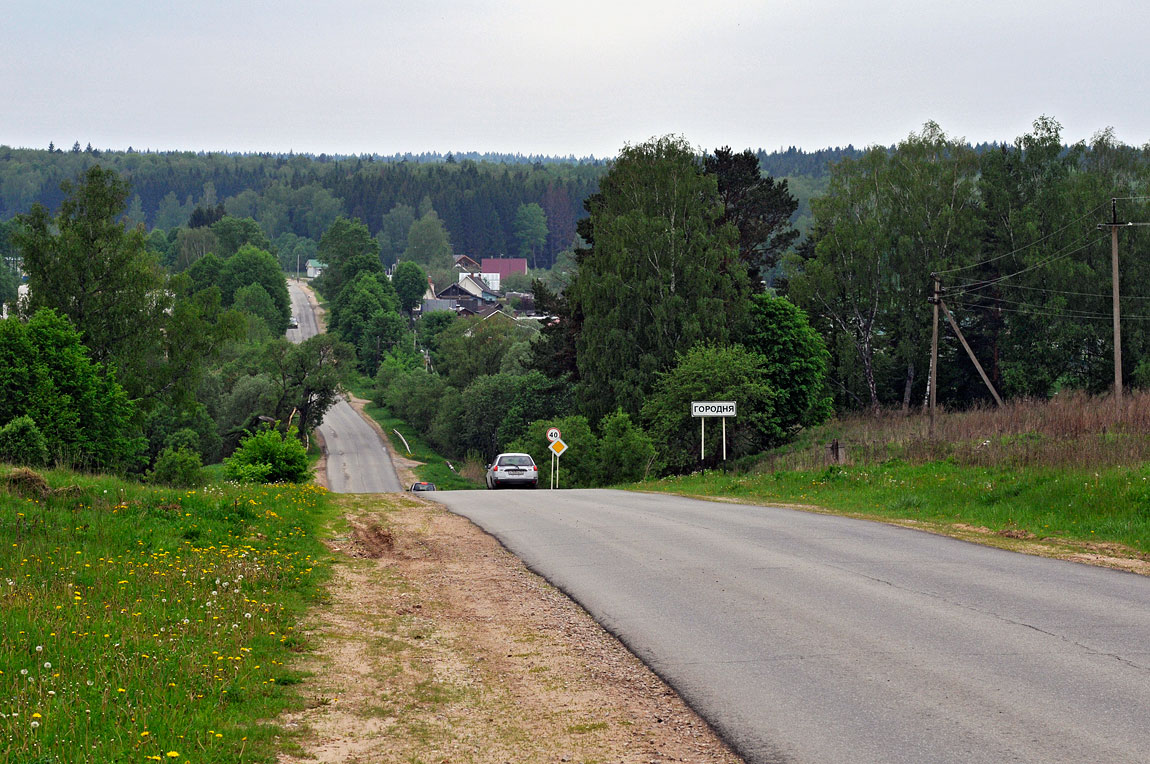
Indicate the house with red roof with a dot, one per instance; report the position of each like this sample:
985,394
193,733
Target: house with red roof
501,268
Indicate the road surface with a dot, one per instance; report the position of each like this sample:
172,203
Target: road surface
357,460
810,638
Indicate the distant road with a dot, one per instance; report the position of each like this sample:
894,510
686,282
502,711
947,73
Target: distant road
811,638
357,460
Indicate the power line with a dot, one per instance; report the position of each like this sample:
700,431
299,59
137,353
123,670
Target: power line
1025,246
977,285
1075,294
1054,313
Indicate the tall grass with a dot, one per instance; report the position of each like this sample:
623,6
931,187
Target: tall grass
143,624
1073,430
1074,468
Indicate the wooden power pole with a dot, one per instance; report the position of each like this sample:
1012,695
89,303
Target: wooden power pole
936,300
936,296
1114,225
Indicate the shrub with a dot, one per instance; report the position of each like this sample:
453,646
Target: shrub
269,457
21,442
579,465
626,453
178,467
714,373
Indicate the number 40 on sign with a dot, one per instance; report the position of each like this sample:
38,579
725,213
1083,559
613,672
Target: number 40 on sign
557,447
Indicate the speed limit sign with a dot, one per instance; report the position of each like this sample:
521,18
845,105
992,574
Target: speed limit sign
553,434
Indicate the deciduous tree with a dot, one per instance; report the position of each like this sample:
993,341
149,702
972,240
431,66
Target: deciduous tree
88,267
710,372
428,243
663,273
410,284
531,231
83,414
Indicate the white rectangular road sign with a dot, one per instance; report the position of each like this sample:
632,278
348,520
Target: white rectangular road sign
713,408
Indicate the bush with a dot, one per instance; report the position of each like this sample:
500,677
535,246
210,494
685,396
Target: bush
269,457
579,465
714,373
22,443
626,453
179,468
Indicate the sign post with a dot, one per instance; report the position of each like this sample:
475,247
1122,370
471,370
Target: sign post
552,436
705,409
557,448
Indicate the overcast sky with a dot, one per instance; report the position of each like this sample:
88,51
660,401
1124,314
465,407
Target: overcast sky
575,77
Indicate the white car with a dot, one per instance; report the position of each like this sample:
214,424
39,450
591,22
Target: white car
512,470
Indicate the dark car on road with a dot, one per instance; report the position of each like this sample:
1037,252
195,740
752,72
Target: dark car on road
512,470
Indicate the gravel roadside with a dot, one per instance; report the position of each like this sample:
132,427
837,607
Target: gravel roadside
437,645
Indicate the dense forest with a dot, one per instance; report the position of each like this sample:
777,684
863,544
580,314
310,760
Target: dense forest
302,195
476,196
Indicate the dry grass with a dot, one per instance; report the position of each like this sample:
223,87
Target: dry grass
1073,430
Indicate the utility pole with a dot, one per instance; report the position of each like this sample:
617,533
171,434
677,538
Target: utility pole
1114,225
934,299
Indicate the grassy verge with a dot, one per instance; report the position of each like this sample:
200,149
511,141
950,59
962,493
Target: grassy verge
434,468
146,624
1104,505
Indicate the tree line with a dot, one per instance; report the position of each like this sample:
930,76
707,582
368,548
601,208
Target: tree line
688,279
664,304
478,201
113,362
1013,234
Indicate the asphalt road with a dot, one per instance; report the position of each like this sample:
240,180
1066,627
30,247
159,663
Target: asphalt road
357,460
811,638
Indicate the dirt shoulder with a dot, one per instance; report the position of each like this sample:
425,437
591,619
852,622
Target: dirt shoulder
437,645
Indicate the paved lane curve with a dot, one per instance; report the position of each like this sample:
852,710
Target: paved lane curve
811,638
357,460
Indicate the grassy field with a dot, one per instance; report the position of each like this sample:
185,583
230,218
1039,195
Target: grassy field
1108,505
1076,468
147,624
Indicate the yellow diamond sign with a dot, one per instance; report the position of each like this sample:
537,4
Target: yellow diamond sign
558,447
